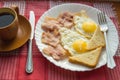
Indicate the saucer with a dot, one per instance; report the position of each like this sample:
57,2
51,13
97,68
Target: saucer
24,31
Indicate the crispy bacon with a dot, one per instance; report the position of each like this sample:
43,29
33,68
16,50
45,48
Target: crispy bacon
50,39
51,35
57,53
61,51
66,19
51,25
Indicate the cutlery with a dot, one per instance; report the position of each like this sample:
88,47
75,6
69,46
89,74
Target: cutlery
103,24
29,64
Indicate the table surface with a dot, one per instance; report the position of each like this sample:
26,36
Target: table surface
12,64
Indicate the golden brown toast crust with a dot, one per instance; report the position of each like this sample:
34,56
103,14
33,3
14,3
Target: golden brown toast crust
97,40
89,59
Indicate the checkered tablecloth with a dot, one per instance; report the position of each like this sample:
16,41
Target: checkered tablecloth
12,64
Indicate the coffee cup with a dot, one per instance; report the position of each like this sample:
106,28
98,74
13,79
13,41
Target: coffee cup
8,22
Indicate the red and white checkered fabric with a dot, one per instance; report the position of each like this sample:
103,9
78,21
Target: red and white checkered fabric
12,66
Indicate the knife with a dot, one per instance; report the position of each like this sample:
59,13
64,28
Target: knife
29,64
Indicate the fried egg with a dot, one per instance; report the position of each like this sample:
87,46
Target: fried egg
85,26
72,41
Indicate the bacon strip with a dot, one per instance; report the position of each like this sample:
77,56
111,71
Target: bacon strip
51,25
57,53
66,19
51,36
49,39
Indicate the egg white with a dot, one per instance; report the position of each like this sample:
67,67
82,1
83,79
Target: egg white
78,21
68,37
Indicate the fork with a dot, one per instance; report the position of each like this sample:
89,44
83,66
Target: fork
104,28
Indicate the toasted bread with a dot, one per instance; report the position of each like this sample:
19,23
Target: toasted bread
89,59
97,40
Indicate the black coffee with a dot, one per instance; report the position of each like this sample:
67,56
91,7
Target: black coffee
6,19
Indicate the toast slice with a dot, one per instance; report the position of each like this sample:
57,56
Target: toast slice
97,40
89,59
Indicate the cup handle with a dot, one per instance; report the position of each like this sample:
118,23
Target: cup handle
14,7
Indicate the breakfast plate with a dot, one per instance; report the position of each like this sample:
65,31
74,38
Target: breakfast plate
22,37
92,13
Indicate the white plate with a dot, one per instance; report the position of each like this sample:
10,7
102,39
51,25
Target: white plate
73,7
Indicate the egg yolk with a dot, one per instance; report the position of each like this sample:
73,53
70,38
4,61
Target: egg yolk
79,45
89,26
